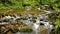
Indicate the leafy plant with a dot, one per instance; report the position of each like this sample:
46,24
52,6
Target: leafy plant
31,2
57,24
10,4
54,3
4,4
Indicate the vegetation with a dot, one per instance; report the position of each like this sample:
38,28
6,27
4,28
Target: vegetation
56,19
33,17
26,30
57,26
55,4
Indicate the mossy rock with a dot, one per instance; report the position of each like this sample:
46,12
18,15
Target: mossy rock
24,18
34,17
26,30
34,21
14,30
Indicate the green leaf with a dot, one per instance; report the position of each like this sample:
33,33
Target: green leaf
44,1
57,22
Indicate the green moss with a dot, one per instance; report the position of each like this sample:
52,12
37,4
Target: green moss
33,17
14,30
26,30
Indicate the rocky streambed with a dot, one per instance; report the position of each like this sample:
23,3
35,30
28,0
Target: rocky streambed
39,23
26,22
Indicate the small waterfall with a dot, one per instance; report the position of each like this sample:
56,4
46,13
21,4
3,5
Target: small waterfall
39,8
17,16
36,26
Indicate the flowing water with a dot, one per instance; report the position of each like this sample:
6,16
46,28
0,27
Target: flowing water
36,26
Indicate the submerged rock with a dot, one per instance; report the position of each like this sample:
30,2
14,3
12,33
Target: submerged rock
40,23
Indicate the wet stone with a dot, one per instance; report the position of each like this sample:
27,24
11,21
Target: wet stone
41,24
3,16
41,19
35,20
45,20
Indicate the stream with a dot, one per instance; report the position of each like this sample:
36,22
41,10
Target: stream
39,21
